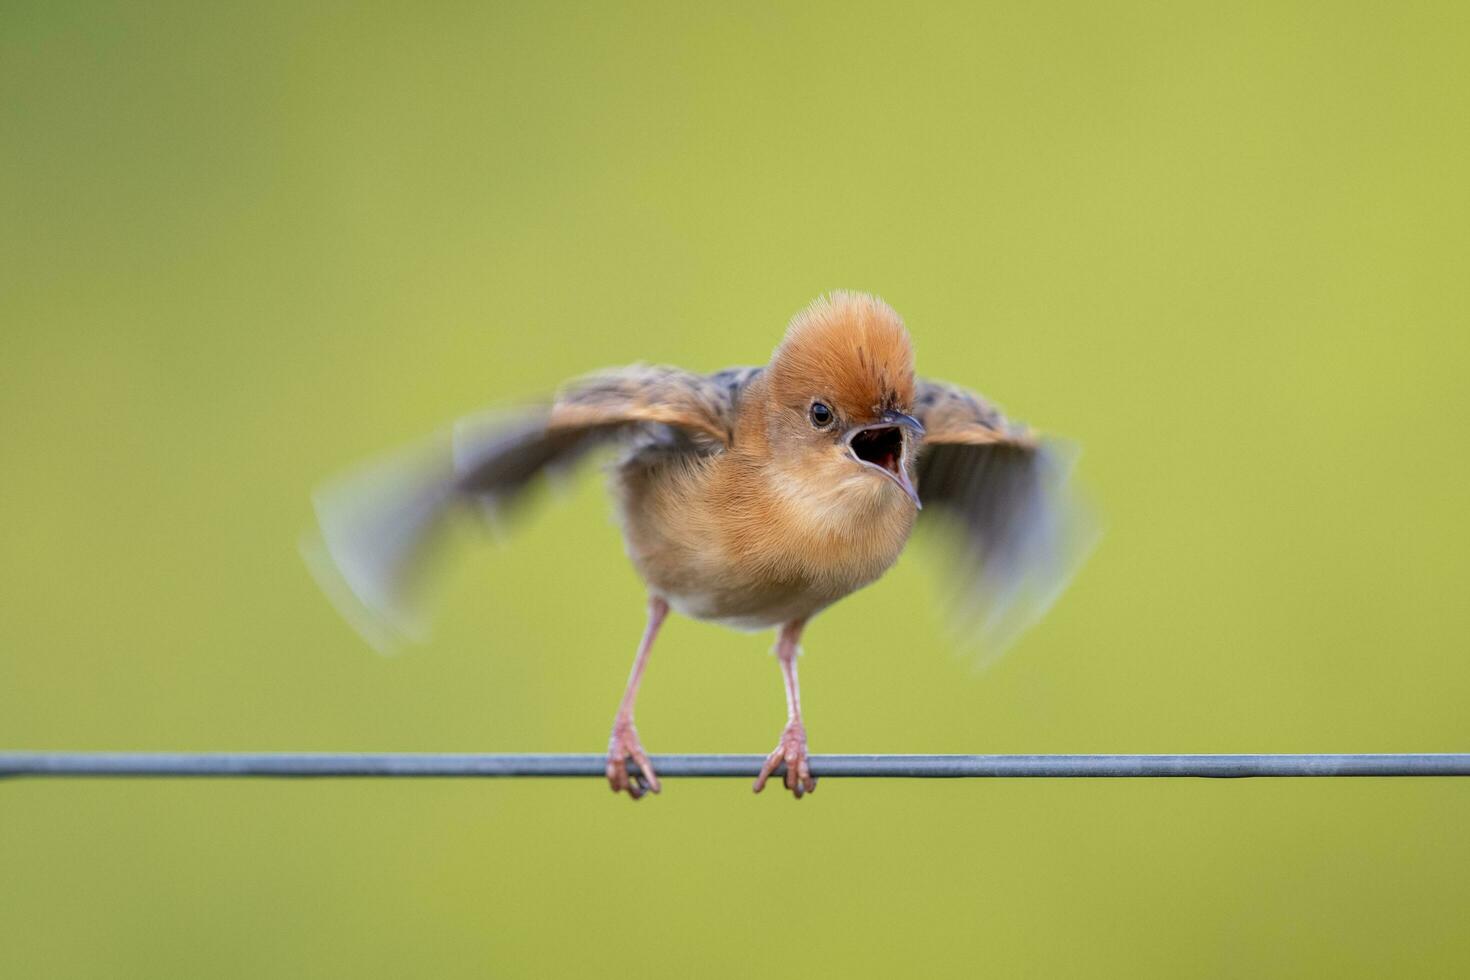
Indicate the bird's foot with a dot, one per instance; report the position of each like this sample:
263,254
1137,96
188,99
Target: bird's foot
791,750
622,747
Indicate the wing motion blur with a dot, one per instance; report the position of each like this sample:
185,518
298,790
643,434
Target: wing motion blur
381,524
1022,532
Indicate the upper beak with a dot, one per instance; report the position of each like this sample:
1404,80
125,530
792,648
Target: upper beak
896,469
898,418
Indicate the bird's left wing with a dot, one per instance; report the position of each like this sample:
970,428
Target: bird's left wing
1004,488
378,526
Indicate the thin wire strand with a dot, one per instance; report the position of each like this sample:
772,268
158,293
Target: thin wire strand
348,764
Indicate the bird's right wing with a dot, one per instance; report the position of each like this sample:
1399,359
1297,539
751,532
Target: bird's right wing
379,525
1020,529
497,456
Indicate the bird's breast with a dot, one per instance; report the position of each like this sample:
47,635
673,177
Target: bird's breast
755,549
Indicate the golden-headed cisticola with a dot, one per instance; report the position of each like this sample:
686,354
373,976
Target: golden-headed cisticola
754,497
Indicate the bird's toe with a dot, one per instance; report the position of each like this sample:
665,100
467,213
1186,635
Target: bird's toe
790,753
622,749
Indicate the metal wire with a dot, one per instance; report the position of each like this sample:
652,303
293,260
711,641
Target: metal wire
330,764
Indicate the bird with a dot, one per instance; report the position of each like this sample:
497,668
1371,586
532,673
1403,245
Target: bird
753,497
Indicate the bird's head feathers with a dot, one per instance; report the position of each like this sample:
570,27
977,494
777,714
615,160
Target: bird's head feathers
849,350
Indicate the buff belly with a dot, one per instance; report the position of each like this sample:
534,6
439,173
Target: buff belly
784,578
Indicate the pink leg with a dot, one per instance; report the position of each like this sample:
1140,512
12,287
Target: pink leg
624,743
791,750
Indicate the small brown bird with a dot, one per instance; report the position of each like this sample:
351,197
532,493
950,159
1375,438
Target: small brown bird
754,497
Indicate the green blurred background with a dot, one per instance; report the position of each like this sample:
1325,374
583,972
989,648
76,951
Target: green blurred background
1223,248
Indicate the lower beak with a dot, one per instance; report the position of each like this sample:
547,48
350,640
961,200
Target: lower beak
907,486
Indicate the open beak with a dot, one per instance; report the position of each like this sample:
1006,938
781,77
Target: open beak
885,445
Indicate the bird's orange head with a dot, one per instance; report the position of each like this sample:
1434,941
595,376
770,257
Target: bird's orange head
841,387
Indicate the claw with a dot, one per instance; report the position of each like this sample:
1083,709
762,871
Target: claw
790,752
622,747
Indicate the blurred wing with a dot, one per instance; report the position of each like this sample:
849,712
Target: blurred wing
380,525
1022,533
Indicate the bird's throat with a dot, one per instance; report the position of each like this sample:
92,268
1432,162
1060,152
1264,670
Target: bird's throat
881,445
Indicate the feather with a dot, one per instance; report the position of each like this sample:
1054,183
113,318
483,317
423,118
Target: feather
378,527
849,348
1022,531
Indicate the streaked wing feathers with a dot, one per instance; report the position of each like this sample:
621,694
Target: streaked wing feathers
952,415
702,405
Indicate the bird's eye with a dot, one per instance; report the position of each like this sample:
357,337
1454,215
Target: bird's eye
821,415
